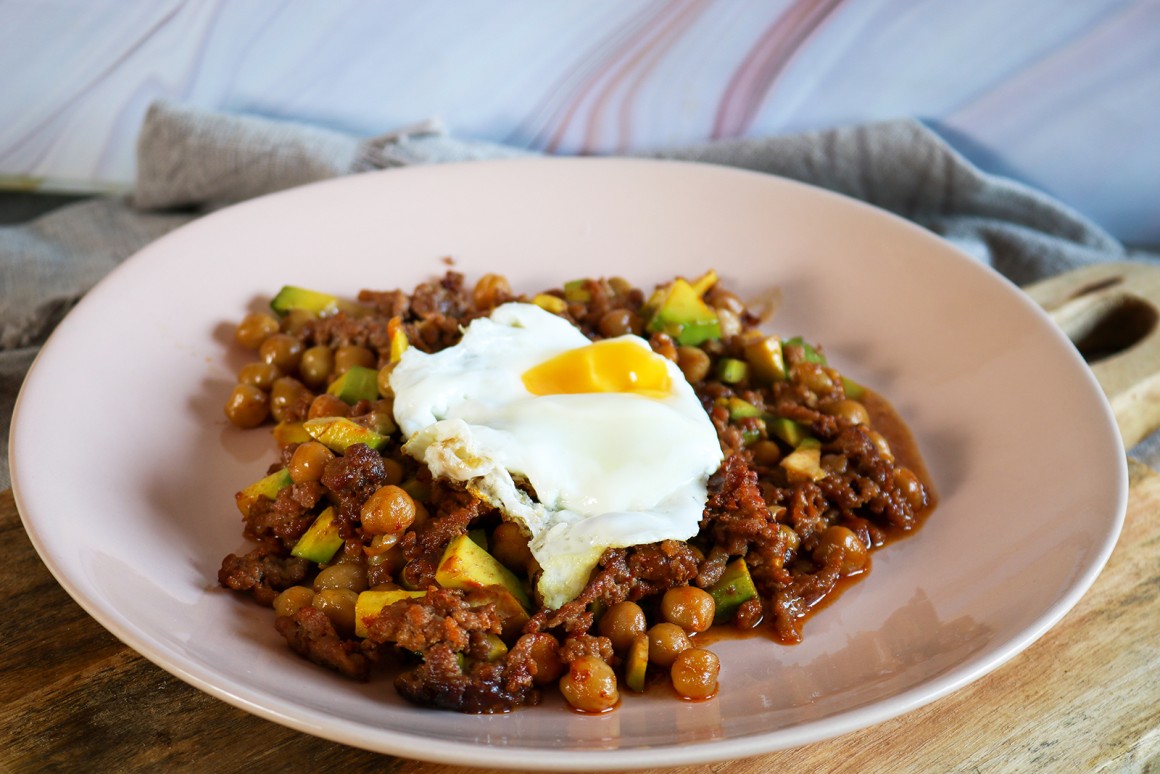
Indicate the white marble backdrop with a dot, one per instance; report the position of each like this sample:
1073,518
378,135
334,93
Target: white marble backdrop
1062,94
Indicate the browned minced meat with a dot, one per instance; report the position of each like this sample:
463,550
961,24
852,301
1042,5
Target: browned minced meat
310,633
263,572
488,687
442,625
580,645
351,479
443,616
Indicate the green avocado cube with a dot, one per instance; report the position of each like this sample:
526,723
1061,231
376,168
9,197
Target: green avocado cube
684,316
734,587
290,298
321,541
268,487
358,383
339,433
465,565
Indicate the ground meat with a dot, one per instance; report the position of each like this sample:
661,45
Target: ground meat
311,634
487,687
656,567
263,572
582,645
351,479
443,616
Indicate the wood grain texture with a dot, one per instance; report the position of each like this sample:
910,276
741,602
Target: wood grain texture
1086,697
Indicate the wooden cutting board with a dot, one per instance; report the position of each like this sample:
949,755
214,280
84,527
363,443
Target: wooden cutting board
1086,697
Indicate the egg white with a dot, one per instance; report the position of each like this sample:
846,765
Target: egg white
609,470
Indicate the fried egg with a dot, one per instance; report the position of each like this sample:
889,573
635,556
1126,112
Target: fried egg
587,445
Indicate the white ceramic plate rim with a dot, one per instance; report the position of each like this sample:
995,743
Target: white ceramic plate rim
381,739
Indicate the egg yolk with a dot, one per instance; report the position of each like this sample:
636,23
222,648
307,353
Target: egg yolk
605,366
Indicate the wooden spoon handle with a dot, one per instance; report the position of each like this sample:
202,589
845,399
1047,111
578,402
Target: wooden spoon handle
1111,312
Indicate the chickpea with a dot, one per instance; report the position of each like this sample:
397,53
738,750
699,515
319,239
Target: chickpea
694,673
284,394
662,344
342,576
688,607
259,374
618,322
590,685
766,452
316,366
693,362
544,652
254,329
510,546
327,405
839,538
719,298
621,623
349,355
850,410
296,321
491,291
338,604
729,322
389,511
247,406
883,445
911,488
665,642
308,461
282,350
291,600
815,378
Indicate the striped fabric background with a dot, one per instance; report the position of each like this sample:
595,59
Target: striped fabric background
1062,95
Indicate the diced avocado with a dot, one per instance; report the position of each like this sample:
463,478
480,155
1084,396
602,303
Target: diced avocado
550,303
751,434
358,383
854,391
286,433
465,565
321,541
766,360
787,430
684,316
371,603
740,409
291,297
804,462
811,353
636,663
731,370
268,487
734,587
576,291
339,433
511,612
398,339
704,283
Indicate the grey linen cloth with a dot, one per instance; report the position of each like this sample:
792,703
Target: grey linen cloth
191,162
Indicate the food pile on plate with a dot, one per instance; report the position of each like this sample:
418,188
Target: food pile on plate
490,494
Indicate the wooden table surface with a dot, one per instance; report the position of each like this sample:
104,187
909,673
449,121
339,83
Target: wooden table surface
1086,697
